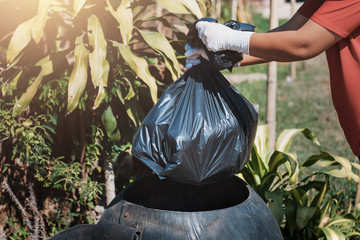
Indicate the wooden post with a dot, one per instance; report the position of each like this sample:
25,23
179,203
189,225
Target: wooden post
234,7
212,8
271,83
218,9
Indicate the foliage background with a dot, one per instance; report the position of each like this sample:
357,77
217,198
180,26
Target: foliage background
77,78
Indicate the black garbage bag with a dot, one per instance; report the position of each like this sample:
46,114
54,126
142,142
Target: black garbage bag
201,130
223,59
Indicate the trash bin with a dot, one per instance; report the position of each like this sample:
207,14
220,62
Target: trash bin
165,209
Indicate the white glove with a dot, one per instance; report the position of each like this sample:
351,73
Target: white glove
218,37
193,54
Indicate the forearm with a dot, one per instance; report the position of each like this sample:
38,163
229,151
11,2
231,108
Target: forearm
294,45
279,46
295,23
250,60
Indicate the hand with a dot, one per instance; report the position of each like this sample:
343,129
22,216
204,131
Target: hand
193,54
218,37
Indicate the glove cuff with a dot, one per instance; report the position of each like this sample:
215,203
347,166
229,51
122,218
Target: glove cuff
243,41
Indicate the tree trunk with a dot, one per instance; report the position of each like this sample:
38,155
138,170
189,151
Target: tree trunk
271,83
109,181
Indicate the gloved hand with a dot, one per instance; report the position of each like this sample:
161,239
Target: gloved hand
218,37
193,54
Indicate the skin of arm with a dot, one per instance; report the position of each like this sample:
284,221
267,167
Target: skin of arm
298,39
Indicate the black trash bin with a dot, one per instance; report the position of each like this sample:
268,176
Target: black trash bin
164,209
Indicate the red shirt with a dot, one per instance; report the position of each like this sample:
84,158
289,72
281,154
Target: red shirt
343,18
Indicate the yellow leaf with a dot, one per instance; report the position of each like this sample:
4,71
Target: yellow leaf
19,40
97,58
140,67
29,94
40,20
124,17
100,97
159,43
78,5
78,77
181,6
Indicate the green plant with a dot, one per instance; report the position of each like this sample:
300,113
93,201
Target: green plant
77,79
300,204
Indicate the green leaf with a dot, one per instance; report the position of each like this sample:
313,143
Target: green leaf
97,58
19,40
320,196
159,43
341,173
276,159
345,163
303,215
290,213
333,233
181,6
11,85
140,67
78,5
26,98
314,159
284,141
261,142
124,17
340,220
326,207
40,20
110,124
78,77
257,163
275,202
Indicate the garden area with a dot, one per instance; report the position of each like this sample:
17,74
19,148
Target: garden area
77,79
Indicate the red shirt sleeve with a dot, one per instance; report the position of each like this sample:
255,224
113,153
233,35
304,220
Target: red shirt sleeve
309,7
339,16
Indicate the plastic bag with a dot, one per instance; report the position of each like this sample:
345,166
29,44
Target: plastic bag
201,130
223,59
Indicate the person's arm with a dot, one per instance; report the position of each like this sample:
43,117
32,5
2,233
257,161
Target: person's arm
293,45
295,23
304,42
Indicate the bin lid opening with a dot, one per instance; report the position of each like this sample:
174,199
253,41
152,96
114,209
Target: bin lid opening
151,192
